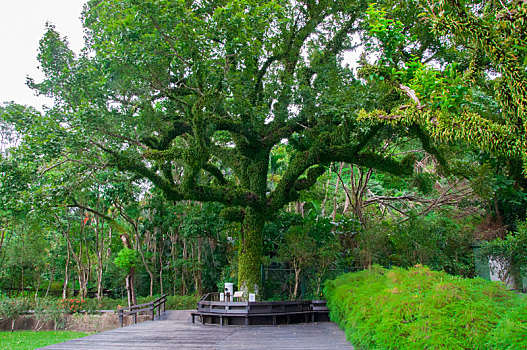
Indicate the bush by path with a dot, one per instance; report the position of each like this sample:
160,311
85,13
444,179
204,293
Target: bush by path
423,309
24,314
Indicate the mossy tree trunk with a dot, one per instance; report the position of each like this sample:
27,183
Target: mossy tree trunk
250,254
254,217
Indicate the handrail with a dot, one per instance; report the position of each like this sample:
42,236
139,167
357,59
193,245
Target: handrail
159,303
204,297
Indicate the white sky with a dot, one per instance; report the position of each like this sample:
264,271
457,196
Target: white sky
22,24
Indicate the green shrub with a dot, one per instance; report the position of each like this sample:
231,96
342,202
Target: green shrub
437,240
229,274
511,332
126,259
91,305
176,302
423,309
72,305
11,308
181,302
111,304
49,309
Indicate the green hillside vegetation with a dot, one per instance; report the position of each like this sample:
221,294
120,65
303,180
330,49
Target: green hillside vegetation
418,308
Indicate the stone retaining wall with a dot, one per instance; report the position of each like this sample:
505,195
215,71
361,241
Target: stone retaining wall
76,322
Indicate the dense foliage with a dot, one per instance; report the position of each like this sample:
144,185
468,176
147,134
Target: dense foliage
193,97
193,143
423,309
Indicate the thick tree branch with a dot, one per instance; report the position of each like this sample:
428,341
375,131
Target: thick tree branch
178,128
258,87
224,124
216,173
411,93
121,137
286,131
323,154
229,157
312,176
192,191
125,163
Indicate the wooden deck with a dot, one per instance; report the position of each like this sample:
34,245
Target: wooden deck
176,331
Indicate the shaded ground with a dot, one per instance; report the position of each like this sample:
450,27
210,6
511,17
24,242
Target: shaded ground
176,331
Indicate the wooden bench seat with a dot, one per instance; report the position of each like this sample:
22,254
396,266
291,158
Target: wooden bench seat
247,317
260,312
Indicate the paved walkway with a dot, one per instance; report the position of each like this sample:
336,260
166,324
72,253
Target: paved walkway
176,331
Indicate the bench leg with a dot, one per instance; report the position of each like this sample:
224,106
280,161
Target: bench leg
274,320
221,321
246,321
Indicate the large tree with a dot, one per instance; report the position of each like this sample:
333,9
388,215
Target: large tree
194,95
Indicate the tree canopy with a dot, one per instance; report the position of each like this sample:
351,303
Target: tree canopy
476,92
197,98
193,96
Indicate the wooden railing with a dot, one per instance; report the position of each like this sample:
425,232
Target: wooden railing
150,307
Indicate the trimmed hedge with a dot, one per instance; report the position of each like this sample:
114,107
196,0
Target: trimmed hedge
423,309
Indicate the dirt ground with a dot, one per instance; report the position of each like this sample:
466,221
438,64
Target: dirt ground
76,322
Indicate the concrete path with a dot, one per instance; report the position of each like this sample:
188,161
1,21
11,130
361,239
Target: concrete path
176,331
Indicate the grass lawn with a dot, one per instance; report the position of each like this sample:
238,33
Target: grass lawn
29,340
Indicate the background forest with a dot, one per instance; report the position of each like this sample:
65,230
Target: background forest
197,143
